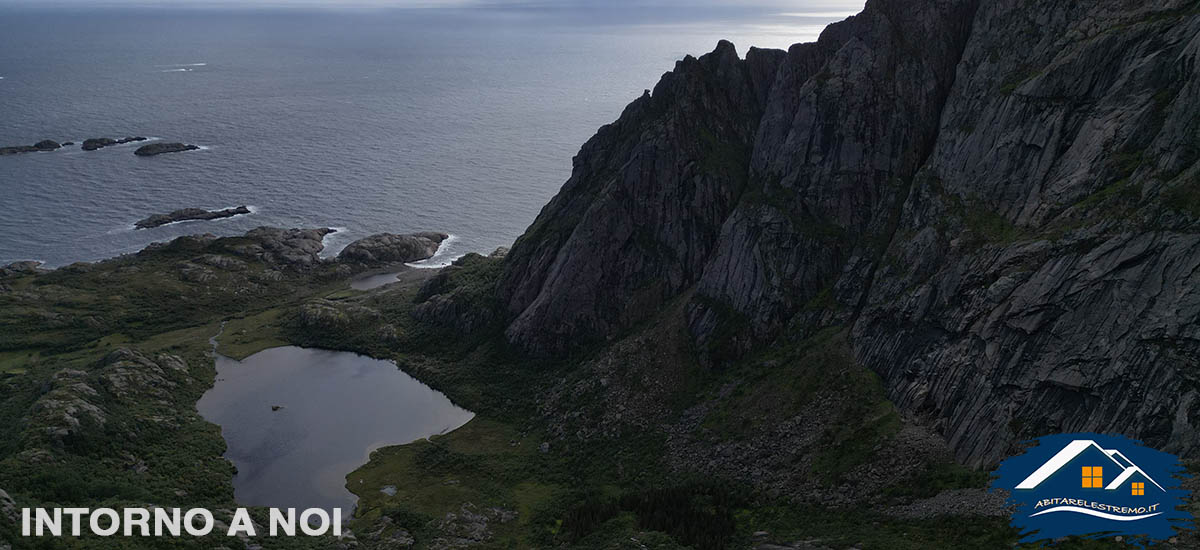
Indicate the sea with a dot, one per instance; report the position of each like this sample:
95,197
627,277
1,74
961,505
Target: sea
364,120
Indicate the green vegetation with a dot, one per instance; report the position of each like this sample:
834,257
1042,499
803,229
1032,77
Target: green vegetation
989,226
1018,78
244,336
533,489
1185,197
485,463
137,438
820,366
723,159
936,478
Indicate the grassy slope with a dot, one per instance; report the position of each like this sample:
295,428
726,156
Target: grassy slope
150,450
610,492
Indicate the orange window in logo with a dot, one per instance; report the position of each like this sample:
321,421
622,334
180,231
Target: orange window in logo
1139,489
1093,477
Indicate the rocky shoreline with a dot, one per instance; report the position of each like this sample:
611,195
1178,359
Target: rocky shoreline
189,214
292,248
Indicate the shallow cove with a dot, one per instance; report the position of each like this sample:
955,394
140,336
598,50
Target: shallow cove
334,408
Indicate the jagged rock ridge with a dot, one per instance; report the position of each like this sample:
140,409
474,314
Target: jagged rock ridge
999,200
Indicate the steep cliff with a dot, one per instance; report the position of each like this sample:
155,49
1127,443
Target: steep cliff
998,200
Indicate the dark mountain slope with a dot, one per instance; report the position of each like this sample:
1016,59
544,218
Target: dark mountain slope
998,200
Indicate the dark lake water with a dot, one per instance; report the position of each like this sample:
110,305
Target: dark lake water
455,120
334,409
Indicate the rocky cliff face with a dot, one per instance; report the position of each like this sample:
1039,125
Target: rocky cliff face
999,200
642,211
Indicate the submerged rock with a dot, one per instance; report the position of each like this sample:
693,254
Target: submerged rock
93,144
188,214
160,148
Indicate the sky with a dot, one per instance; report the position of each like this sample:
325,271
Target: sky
785,6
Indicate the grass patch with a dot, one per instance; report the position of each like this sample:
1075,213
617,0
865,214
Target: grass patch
245,336
484,464
788,380
1184,198
937,478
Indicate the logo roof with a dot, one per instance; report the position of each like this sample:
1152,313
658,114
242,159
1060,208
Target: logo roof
1074,449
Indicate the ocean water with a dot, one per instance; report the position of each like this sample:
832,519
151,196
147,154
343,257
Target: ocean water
462,121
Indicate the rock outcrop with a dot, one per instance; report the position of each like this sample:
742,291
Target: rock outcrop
17,269
285,247
161,148
644,206
283,250
386,248
44,145
999,200
189,214
8,508
456,297
93,144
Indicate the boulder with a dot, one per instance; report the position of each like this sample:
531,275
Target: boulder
387,248
8,507
17,269
286,247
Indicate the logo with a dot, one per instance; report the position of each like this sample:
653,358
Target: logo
1094,486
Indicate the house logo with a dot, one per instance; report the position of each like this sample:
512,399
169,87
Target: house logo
1095,486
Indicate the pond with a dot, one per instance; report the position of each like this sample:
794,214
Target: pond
297,420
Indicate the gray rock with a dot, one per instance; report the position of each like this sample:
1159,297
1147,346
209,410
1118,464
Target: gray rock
17,269
193,273
161,148
224,263
955,502
640,215
8,507
386,248
324,315
469,526
44,145
295,248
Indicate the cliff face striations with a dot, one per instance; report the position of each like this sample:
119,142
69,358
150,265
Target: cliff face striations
998,200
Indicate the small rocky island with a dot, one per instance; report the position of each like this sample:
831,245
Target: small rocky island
160,148
187,214
93,144
44,145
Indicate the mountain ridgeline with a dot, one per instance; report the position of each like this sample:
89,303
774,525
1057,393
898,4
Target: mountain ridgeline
998,202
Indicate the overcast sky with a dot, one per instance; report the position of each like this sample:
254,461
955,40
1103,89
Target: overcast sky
792,6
